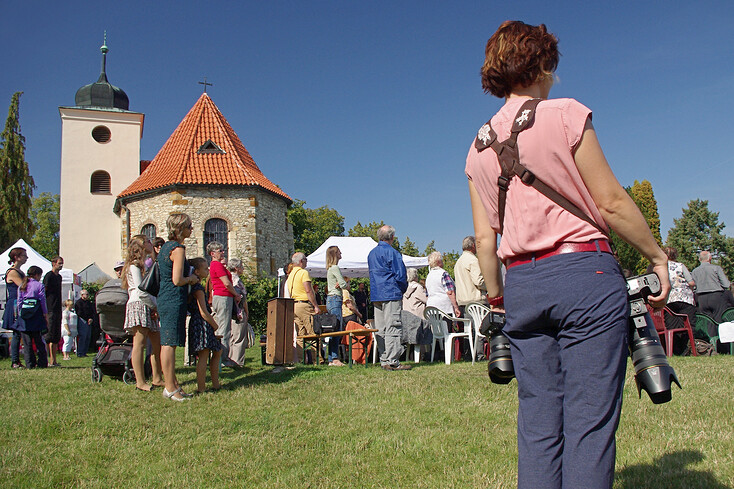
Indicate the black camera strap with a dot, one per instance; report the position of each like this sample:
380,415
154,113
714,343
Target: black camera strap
508,155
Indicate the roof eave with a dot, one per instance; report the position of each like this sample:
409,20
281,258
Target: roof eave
124,200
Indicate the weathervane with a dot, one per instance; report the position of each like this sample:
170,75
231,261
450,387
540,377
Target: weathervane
206,84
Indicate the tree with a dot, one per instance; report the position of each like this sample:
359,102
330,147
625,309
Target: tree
370,230
311,227
16,183
449,261
409,248
698,229
643,196
45,217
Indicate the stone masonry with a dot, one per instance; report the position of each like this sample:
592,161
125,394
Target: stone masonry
258,229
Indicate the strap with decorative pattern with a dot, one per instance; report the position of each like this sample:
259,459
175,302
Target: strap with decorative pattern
509,158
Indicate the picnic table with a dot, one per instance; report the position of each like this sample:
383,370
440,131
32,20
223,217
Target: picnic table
314,340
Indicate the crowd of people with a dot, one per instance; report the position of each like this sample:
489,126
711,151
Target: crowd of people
52,323
218,327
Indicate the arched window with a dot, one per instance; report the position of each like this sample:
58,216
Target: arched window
100,183
149,231
215,230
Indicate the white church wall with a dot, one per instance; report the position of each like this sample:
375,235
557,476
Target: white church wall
89,229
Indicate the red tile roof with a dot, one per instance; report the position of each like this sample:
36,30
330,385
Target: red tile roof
178,163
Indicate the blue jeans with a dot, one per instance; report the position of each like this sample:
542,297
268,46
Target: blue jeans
567,326
82,341
334,306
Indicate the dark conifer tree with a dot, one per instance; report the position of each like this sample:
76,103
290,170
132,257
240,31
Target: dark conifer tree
16,183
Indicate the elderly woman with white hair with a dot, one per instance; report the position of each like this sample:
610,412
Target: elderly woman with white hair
239,337
440,286
414,298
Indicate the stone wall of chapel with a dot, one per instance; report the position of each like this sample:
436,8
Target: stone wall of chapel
256,221
274,234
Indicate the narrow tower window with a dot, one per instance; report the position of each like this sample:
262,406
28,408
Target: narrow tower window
100,183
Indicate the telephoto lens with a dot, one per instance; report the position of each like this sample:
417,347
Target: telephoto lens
653,374
500,368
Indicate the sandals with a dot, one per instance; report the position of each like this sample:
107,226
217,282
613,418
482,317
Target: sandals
171,395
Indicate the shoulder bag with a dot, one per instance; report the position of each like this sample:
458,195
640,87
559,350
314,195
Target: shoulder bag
152,281
28,307
325,323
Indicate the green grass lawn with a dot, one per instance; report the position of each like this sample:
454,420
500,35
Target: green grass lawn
437,426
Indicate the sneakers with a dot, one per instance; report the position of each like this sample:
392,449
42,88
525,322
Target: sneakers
18,365
336,363
397,367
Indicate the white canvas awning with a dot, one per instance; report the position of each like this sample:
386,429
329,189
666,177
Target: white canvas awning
354,257
69,288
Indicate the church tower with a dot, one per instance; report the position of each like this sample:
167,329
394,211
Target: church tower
100,156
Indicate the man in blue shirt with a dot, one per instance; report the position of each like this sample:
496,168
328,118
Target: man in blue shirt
388,281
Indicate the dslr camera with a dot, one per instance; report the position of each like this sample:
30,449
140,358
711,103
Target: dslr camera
652,371
500,366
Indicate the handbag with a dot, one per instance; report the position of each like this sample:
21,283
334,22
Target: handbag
152,281
324,323
28,307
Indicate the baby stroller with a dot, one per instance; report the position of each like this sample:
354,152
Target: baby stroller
113,356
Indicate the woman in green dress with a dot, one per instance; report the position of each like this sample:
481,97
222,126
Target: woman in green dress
172,298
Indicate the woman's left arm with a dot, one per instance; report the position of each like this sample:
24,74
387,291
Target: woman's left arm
340,278
178,257
42,298
618,209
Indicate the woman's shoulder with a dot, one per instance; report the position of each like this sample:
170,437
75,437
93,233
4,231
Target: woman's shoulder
567,108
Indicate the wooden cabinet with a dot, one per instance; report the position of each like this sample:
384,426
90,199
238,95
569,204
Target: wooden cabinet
279,348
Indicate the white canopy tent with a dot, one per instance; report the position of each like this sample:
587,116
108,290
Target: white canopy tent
354,257
70,286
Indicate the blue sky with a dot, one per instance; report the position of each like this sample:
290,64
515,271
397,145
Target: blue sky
370,107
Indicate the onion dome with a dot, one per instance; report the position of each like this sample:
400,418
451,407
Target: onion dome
102,93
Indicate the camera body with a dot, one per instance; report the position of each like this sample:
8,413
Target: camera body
653,374
500,366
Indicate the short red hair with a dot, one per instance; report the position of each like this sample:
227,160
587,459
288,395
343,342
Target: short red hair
518,54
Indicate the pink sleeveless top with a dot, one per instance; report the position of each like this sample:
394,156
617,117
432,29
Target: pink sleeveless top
532,221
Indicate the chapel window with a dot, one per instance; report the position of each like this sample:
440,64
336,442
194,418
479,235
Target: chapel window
215,230
149,230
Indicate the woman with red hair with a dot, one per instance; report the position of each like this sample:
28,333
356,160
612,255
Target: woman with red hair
564,293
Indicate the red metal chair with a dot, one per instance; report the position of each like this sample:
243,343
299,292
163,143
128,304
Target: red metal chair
658,319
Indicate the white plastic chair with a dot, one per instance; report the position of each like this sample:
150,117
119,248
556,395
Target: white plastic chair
436,319
416,351
477,312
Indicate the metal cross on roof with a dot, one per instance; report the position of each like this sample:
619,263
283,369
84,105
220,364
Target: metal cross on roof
206,84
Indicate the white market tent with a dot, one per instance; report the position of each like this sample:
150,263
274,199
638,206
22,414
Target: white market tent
69,288
354,257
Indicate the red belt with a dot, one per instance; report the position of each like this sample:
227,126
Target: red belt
559,250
